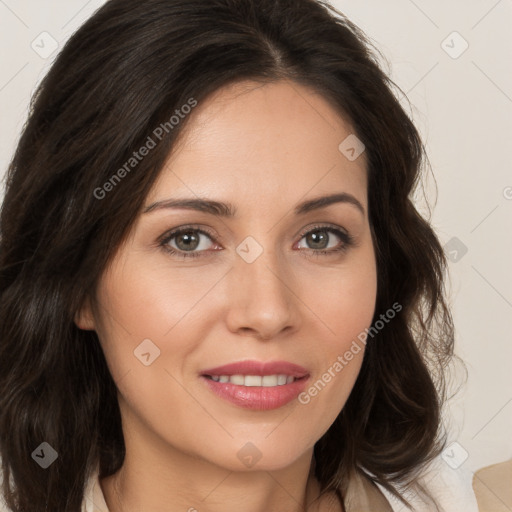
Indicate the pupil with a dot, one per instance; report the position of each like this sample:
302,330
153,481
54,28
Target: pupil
318,240
190,241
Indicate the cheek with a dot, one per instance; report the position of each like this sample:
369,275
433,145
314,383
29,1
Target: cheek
343,300
152,321
138,302
352,306
344,305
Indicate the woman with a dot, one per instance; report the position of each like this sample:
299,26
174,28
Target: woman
215,290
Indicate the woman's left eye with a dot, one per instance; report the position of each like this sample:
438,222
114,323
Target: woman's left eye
323,240
191,242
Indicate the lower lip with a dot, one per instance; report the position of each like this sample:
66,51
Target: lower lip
257,397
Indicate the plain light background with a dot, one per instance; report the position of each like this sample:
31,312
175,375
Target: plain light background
462,104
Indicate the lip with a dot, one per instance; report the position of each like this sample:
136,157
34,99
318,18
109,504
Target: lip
258,368
257,397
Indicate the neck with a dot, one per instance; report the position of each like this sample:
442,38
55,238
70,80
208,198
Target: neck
195,489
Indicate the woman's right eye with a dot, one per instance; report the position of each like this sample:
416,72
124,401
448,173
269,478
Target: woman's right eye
187,242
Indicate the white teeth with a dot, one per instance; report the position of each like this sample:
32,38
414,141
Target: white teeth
281,379
252,380
255,380
237,379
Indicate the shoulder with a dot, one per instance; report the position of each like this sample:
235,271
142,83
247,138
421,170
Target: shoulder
94,499
3,506
362,495
447,489
493,487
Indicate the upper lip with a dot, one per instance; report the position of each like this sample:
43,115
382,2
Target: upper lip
258,368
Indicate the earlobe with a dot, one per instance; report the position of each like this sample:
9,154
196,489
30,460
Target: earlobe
84,318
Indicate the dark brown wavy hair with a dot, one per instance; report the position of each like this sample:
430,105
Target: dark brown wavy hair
123,73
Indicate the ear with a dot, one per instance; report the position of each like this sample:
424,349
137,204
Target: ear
84,318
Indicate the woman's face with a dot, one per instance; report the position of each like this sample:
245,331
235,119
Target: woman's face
277,279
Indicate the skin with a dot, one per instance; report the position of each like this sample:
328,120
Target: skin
264,149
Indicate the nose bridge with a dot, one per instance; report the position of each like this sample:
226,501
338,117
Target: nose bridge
262,300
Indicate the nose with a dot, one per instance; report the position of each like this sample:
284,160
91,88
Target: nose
262,300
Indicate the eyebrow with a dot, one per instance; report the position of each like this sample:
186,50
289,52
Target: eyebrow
220,209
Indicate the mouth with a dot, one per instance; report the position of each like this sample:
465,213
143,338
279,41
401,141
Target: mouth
265,381
257,373
257,385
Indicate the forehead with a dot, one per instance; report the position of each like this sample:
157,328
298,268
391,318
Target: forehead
275,140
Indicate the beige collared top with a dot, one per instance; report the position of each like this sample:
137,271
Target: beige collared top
362,496
493,487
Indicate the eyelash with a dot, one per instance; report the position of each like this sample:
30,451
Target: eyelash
347,241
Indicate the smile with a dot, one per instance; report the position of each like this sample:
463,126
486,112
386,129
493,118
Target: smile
254,380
